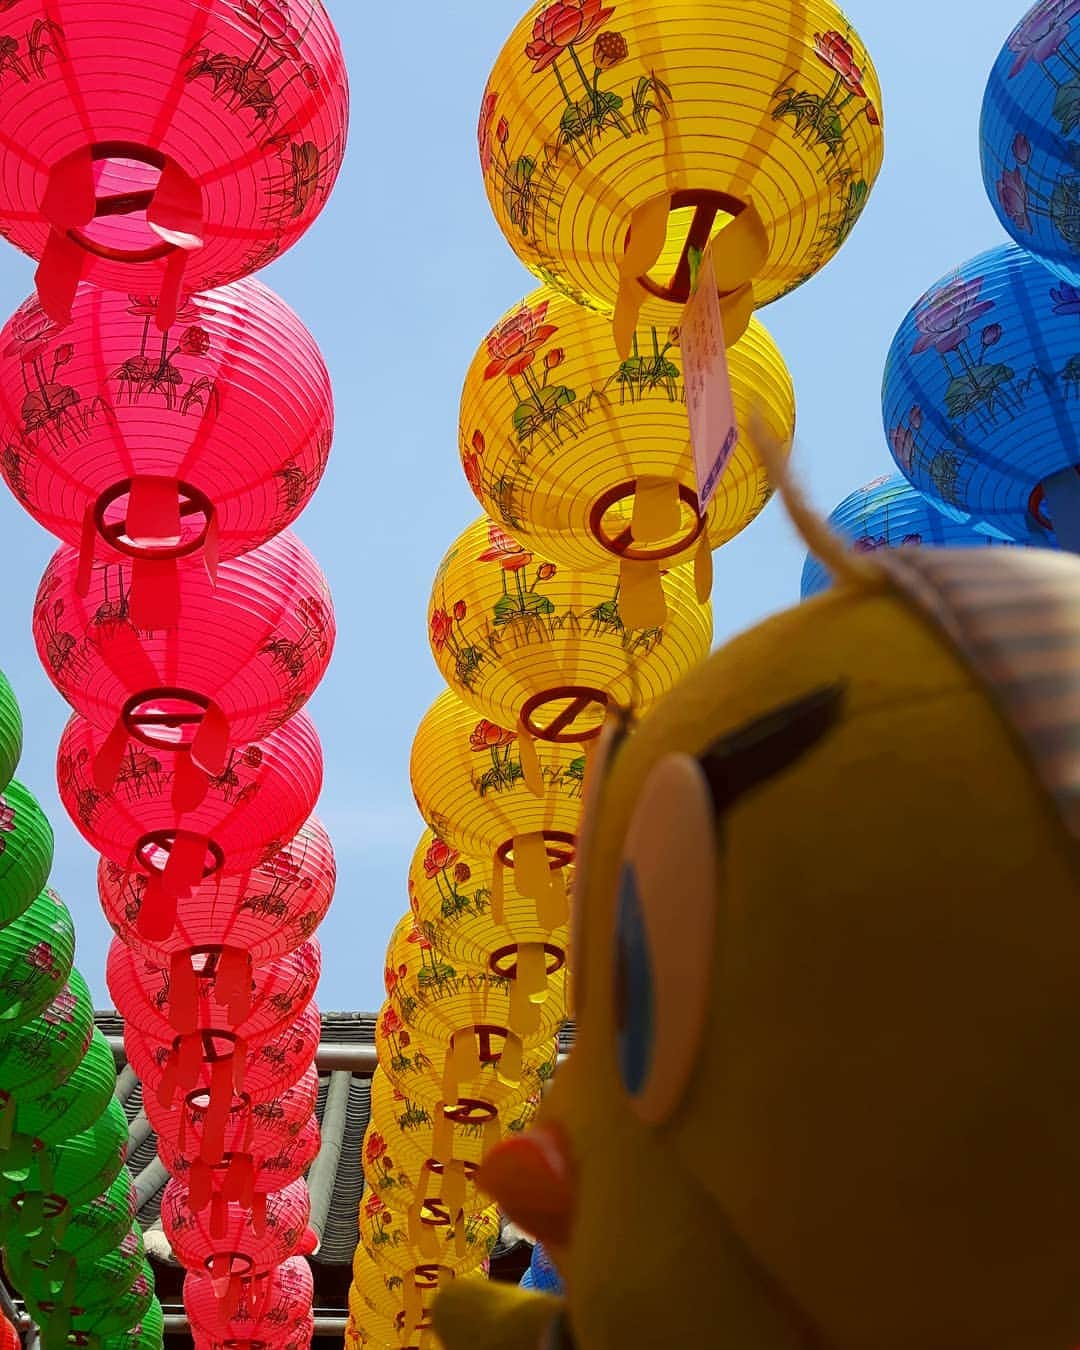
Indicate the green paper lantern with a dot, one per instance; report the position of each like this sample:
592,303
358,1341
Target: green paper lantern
147,1334
36,1058
11,732
26,851
96,1228
73,1106
63,1280
127,1307
36,954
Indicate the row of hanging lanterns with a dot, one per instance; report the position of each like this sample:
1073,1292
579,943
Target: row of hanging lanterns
614,165
983,376
168,417
71,1244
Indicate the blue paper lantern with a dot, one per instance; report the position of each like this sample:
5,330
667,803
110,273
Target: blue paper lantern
981,399
889,513
542,1275
1028,133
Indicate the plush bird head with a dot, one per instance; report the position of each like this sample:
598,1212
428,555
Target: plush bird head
826,1085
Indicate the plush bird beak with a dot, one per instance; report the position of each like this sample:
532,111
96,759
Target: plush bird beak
531,1176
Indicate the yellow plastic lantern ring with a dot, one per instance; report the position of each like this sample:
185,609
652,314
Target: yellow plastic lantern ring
544,650
468,779
586,457
619,136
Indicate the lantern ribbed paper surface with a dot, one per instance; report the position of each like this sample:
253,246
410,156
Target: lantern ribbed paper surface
233,403
462,1079
394,1242
243,1175
253,647
889,513
264,913
438,1001
267,1070
26,851
267,1129
404,1301
410,1157
469,784
980,393
450,894
188,998
39,1056
74,1105
95,1228
556,433
599,119
146,1334
123,1311
11,732
261,797
269,1309
77,1168
36,954
522,639
90,1287
234,1249
1029,118
173,147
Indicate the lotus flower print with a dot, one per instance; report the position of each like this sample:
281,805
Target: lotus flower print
561,25
1040,34
945,320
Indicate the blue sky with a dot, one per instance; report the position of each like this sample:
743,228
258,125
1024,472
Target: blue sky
399,281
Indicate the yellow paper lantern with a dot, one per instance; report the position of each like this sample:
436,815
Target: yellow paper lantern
524,1004
545,650
413,1156
587,458
616,136
451,892
400,1242
403,1300
469,783
476,1075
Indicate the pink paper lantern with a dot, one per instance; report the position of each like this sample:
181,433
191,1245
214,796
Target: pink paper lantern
210,1069
128,443
230,1242
197,995
248,1128
169,148
248,655
163,816
257,915
270,1308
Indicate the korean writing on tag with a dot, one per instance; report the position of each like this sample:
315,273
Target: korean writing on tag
714,432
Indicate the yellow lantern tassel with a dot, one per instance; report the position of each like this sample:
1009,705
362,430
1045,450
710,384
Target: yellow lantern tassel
422,1237
553,907
740,250
512,1060
524,1018
459,1237
532,974
648,234
532,871
530,761
414,1304
442,1136
641,594
657,513
703,569
498,894
454,1186
462,1064
492,1133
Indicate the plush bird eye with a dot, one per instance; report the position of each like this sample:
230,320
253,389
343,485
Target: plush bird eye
665,930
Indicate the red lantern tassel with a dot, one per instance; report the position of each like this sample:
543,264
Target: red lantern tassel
233,984
183,994
200,1185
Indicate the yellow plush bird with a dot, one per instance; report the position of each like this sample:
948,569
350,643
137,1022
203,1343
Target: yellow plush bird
826,1088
